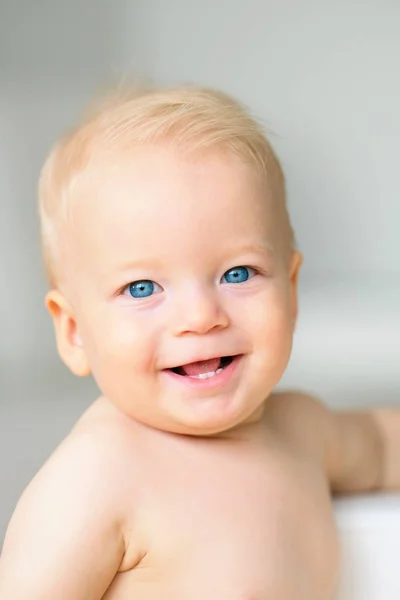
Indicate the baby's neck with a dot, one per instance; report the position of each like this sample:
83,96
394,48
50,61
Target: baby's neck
247,430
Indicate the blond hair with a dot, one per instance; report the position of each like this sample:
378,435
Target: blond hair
196,119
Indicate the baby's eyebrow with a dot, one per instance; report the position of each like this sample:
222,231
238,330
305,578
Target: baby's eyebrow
141,263
264,248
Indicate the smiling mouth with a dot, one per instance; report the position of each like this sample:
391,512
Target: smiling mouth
203,369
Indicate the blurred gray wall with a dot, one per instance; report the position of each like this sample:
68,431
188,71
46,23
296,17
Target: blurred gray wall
323,77
53,57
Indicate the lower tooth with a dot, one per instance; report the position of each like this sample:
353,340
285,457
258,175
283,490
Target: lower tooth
206,375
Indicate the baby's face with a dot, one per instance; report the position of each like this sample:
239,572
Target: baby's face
174,262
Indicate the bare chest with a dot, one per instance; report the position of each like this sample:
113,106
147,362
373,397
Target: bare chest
239,527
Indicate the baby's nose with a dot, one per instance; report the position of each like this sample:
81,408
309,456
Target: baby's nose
199,312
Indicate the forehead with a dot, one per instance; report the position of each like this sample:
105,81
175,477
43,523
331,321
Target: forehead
154,197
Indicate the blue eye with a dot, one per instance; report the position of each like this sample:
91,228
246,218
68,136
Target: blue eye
238,275
142,288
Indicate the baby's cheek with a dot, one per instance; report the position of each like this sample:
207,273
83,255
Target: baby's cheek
272,331
122,362
269,315
129,344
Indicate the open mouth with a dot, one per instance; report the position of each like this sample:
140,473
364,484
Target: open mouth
203,369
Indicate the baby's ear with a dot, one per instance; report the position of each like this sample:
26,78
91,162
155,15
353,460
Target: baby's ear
69,343
297,260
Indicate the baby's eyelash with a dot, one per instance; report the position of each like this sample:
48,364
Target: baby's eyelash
259,270
256,270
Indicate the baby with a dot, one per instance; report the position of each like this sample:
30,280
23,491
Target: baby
173,280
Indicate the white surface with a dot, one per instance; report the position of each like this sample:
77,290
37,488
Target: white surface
370,539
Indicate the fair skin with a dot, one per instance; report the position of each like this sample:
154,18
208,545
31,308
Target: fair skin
169,486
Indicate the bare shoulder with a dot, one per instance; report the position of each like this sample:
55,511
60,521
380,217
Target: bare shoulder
91,459
96,445
69,526
104,446
302,422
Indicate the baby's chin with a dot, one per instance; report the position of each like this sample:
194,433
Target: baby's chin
206,425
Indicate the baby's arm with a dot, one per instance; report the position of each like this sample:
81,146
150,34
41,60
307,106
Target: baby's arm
65,537
359,449
369,440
